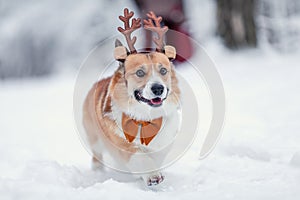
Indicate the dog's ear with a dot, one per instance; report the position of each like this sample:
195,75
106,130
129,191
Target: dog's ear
170,52
120,52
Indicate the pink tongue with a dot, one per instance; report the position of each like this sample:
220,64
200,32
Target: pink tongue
156,101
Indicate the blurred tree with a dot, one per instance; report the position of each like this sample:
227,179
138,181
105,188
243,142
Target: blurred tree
236,24
278,24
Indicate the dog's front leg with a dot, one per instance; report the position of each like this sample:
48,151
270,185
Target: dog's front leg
152,175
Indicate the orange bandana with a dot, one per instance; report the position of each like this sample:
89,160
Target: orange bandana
148,129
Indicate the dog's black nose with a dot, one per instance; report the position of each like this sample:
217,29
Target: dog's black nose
157,89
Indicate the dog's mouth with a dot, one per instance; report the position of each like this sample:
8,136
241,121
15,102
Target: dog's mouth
155,102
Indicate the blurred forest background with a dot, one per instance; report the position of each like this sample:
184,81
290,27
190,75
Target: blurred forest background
39,38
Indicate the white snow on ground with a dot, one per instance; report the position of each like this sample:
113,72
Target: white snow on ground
257,157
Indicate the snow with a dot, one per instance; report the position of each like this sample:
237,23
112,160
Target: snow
257,157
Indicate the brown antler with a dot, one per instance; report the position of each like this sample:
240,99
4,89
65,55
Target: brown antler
135,24
148,24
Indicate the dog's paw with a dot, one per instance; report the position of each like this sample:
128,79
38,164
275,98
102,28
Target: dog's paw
155,179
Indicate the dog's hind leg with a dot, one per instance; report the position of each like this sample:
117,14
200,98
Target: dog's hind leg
97,159
97,163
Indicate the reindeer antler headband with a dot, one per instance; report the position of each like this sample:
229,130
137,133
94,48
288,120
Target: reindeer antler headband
148,24
159,41
135,24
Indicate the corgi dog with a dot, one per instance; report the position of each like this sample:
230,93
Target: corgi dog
135,111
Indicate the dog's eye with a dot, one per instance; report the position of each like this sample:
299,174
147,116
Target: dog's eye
163,71
140,73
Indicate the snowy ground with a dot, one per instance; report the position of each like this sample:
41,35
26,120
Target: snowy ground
258,156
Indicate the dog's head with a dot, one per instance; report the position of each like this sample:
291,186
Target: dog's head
147,77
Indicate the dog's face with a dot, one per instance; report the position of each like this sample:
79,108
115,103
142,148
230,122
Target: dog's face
145,86
148,77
